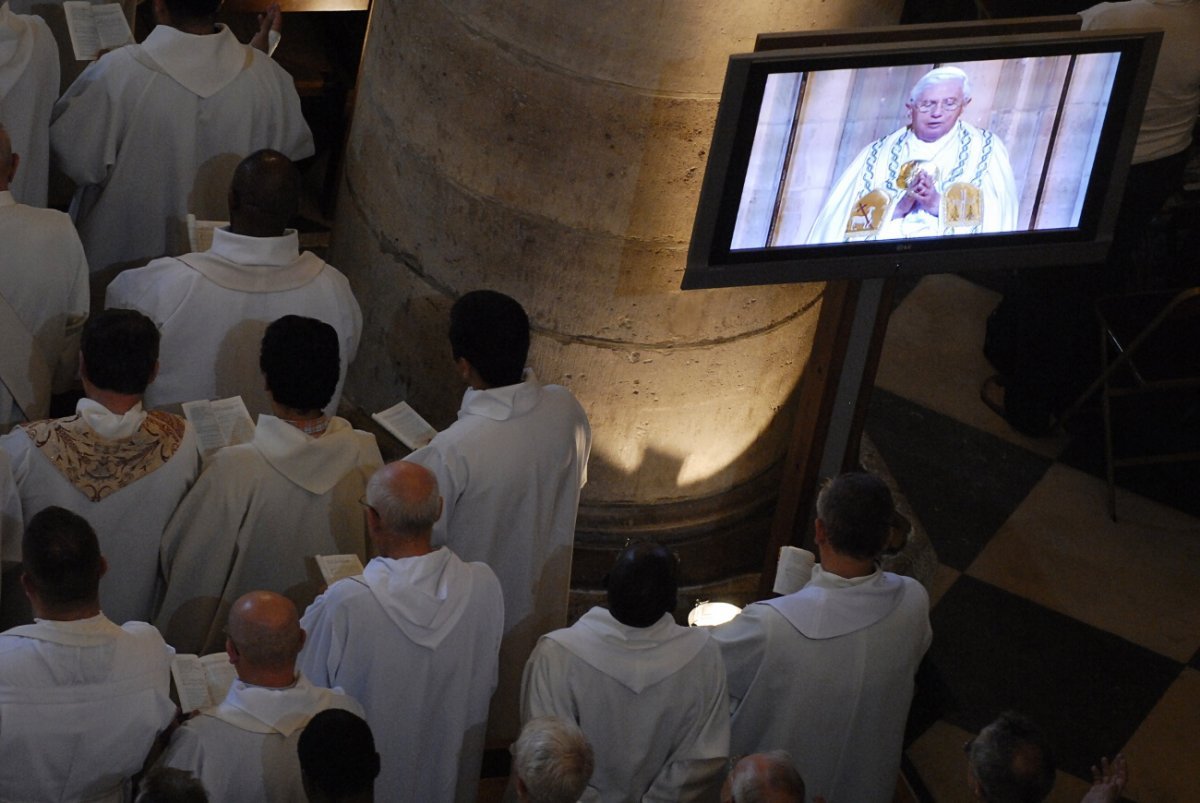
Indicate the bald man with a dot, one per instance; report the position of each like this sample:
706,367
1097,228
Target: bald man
245,747
214,306
416,639
765,778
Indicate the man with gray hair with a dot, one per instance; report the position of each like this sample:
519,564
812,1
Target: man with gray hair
765,778
552,761
416,639
937,175
827,671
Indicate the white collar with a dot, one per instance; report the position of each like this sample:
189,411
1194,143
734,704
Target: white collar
503,403
636,657
260,709
314,464
202,64
831,605
245,250
90,632
255,264
106,423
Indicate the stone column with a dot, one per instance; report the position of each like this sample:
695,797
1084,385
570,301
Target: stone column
554,151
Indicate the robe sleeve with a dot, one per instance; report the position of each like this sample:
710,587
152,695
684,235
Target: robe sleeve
742,642
830,223
1001,201
84,129
452,479
546,671
66,362
324,623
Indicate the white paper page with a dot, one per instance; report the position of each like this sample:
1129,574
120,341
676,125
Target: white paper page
335,567
85,40
794,570
112,28
190,682
200,232
219,675
406,424
219,423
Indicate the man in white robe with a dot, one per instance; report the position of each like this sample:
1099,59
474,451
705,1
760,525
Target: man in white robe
153,131
939,175
81,699
510,469
826,673
649,694
214,306
121,468
28,87
416,639
43,299
261,510
244,748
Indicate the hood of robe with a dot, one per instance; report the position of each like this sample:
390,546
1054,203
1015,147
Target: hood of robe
204,65
422,595
636,657
503,403
259,709
15,48
314,464
831,606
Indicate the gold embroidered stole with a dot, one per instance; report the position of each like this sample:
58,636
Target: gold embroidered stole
99,467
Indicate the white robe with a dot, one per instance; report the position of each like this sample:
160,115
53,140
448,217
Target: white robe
258,511
652,701
81,703
510,470
964,154
150,132
44,278
213,308
128,522
416,640
244,749
28,87
827,674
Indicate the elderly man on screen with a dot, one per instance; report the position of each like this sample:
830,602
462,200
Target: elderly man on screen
938,175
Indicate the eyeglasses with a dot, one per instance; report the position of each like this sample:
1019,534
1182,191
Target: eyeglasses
949,105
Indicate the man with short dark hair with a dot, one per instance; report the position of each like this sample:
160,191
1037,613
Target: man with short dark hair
552,761
338,762
214,306
649,694
415,639
81,699
152,131
118,466
244,748
510,470
827,672
261,509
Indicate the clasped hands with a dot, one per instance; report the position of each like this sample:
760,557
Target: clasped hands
921,193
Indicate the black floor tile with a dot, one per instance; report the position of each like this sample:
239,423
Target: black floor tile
1087,688
961,482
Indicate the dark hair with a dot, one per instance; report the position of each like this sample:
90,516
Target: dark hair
265,191
61,557
856,509
490,331
171,785
337,754
643,584
300,361
192,10
120,349
1012,760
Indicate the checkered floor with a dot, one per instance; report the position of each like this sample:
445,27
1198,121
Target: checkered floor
1042,604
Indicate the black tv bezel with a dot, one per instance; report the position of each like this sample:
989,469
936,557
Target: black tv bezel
711,263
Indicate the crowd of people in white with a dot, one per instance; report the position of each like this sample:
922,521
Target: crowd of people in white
129,547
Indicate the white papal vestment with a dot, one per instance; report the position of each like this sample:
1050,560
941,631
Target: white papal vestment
125,474
416,641
257,512
827,674
213,308
652,701
964,155
510,470
150,132
81,703
44,281
28,87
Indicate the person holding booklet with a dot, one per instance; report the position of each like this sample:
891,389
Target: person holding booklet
120,467
262,510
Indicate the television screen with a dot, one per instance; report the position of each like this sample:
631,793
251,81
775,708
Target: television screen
916,157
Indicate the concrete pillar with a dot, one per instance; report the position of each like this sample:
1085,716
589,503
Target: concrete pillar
554,151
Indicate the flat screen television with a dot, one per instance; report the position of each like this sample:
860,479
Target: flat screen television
879,160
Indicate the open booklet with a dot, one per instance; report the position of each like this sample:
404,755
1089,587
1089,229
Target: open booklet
219,423
337,567
96,28
406,424
201,682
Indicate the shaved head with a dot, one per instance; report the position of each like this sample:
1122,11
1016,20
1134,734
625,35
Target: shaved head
265,629
764,778
264,194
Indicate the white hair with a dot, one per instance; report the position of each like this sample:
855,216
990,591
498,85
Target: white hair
936,76
397,515
778,774
553,759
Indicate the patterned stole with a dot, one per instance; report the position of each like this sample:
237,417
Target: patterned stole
99,467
